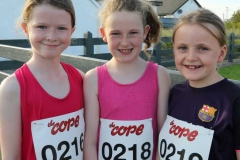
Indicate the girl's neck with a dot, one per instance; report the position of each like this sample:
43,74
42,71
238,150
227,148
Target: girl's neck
114,64
204,83
48,67
126,73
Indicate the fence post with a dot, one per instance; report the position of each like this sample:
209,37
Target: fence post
157,50
231,48
89,45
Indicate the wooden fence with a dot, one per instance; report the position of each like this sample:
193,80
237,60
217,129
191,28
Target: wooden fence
161,56
19,55
232,47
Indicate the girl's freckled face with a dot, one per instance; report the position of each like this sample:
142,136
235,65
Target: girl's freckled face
124,32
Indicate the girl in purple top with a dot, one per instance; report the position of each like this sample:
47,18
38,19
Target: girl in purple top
127,93
206,101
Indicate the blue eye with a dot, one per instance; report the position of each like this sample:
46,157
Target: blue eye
182,47
62,28
42,27
115,34
132,33
202,48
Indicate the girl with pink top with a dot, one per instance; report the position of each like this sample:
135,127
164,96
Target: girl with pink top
126,98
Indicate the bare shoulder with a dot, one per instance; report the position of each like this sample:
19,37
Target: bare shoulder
9,97
90,82
10,86
91,75
163,77
162,71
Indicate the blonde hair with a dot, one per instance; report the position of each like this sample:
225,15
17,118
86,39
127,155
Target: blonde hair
203,17
60,4
149,17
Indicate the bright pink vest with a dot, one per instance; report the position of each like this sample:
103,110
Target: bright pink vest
135,101
37,104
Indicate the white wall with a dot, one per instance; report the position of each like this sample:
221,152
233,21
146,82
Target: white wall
9,12
86,20
189,6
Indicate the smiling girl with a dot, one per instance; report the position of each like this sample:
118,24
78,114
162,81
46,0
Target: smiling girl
41,103
204,111
126,98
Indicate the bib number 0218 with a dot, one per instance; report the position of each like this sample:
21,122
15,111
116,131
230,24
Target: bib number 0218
171,147
145,154
66,146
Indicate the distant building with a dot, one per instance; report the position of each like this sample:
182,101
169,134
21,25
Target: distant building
86,20
172,10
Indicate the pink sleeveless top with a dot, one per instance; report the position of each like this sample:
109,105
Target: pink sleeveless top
37,104
135,101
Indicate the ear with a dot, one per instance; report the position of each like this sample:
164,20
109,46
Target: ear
173,49
24,27
146,30
222,54
73,29
103,34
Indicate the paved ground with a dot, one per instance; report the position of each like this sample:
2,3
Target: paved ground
226,63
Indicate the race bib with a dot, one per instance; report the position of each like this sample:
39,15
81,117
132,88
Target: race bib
59,137
179,140
130,140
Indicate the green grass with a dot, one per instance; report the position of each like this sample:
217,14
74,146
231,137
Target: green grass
231,72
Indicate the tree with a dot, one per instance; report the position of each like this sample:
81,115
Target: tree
236,17
235,21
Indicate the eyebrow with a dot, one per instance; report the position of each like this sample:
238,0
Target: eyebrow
47,24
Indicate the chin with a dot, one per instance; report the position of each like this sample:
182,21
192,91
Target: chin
192,77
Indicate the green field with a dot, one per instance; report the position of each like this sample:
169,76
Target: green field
231,72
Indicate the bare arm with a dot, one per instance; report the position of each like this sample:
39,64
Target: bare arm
238,155
164,84
157,156
90,87
10,119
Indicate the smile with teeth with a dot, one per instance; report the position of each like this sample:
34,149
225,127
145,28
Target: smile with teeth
125,50
192,67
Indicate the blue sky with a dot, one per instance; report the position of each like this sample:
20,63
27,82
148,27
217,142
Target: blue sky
219,7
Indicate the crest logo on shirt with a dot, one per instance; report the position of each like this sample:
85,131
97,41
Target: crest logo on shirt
207,113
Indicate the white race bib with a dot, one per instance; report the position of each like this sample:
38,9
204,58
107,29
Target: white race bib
179,140
59,137
130,140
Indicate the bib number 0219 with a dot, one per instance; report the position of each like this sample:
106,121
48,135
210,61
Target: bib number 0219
171,147
66,146
145,154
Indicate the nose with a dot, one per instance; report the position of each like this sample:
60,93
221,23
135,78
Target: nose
124,41
191,55
51,35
